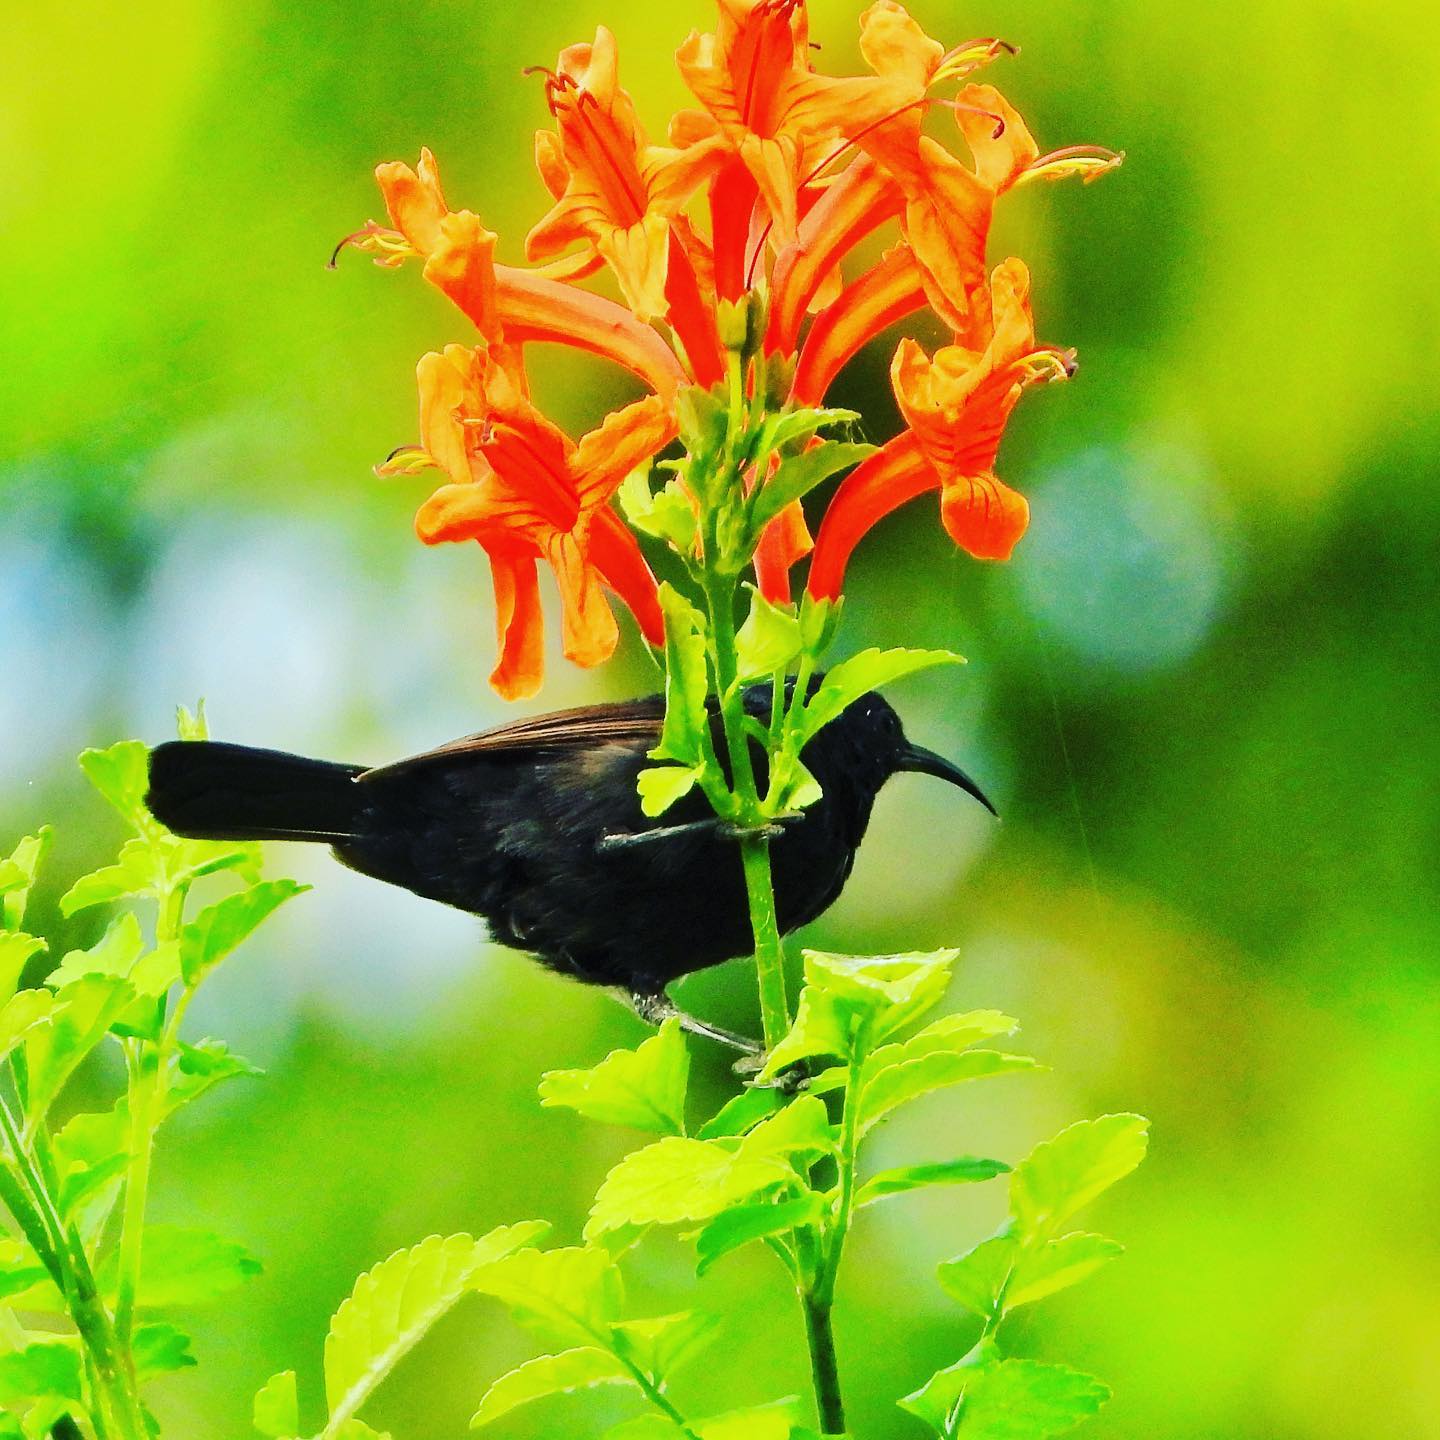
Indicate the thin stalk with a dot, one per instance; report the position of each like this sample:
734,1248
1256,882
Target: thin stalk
653,1393
824,1367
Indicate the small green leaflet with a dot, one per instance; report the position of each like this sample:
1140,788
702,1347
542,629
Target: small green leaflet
38,1370
661,786
643,1088
392,1306
1027,1400
183,1265
1057,1265
869,670
896,1085
159,1349
22,1014
114,953
950,1032
277,1407
802,1128
739,1226
218,929
668,514
905,1178
893,991
16,948
560,1374
17,875
137,871
685,734
83,1011
677,1179
662,1343
1064,1174
121,774
798,475
745,1111
821,1027
769,639
200,1067
569,1296
976,1280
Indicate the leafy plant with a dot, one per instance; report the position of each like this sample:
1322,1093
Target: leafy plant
82,1275
784,1172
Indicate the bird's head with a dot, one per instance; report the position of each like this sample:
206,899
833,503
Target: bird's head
873,742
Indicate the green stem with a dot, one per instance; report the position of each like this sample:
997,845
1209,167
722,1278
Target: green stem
653,1393
824,1367
769,949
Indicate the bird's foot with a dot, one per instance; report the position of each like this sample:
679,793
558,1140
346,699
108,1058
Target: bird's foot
789,1081
657,1009
772,829
625,840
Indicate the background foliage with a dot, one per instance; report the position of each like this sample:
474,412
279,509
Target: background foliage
1201,693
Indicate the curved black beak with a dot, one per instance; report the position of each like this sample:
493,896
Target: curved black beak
927,762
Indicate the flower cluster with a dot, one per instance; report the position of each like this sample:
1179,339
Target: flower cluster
750,210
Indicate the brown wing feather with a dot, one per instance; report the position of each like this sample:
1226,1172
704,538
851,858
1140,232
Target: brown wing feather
622,722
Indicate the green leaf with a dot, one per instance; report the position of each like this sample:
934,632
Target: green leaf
16,948
899,1181
38,1370
668,514
191,859
182,1265
200,1067
643,1088
935,1401
114,953
759,1221
561,1374
661,786
83,1011
122,775
685,733
769,639
277,1407
192,725
1026,1400
569,1296
976,1280
1056,1265
798,475
677,1179
802,1128
20,1269
950,1032
218,929
886,1090
17,875
821,1027
846,682
21,1015
743,1112
1064,1174
137,871
661,1343
159,1349
393,1305
775,1421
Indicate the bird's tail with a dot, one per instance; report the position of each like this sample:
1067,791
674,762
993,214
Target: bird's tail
208,790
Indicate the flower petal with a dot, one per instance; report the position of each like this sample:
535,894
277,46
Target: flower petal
983,515
519,624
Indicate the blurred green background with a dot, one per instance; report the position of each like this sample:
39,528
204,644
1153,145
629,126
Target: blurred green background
1204,692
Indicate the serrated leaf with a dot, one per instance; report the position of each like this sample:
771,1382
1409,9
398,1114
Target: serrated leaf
759,1221
17,875
200,1067
661,786
19,1268
1045,1269
846,682
568,1296
935,1401
393,1305
218,929
276,1412
677,1179
802,1128
797,476
893,991
775,1421
561,1374
184,1265
1061,1175
136,872
976,1280
159,1349
82,1013
741,1113
643,1088
821,1027
768,640
661,1343
121,774
16,950
192,724
968,1169
1027,1400
886,1090
685,731
21,1015
192,859
40,1369
114,953
668,514
950,1032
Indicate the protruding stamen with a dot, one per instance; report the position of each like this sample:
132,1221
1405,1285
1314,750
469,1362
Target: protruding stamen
1047,364
958,107
969,57
405,460
389,247
1089,162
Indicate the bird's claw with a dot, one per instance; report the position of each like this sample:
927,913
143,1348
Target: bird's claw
789,1081
772,829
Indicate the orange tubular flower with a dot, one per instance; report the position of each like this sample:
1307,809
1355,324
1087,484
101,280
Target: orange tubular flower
501,300
956,406
614,193
525,491
773,111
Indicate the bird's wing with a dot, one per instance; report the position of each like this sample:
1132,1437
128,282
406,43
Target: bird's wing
624,722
